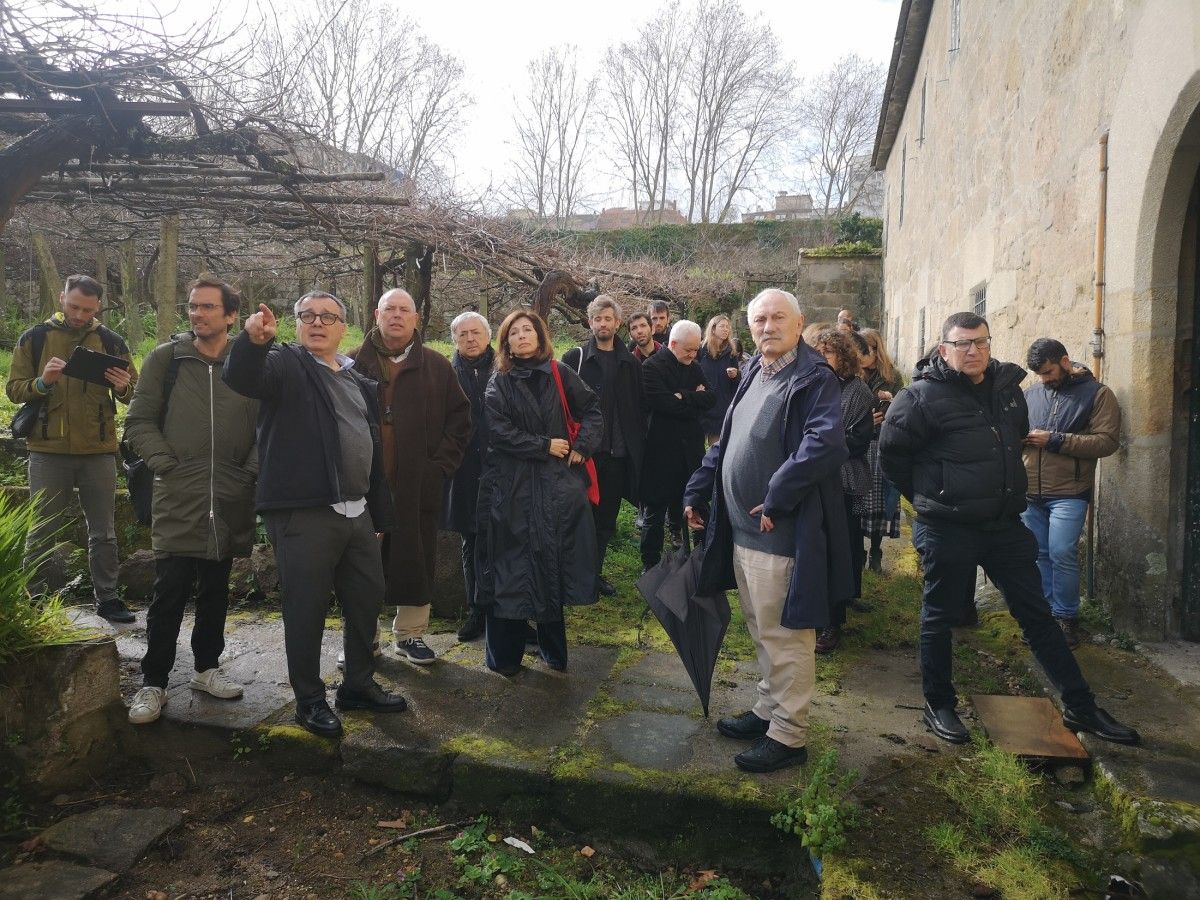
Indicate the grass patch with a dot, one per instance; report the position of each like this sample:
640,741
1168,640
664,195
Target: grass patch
26,625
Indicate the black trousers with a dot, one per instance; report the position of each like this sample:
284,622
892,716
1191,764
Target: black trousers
613,474
504,642
949,555
175,577
321,553
468,567
858,559
654,517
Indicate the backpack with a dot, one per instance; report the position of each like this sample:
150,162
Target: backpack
34,411
138,477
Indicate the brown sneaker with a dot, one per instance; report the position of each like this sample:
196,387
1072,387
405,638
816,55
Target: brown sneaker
828,639
1070,630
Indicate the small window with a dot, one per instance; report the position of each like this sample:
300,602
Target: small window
903,174
955,24
921,132
921,332
979,300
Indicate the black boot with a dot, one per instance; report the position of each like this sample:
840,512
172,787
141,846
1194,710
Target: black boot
945,724
472,629
875,560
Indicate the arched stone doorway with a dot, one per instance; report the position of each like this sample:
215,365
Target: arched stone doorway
1186,427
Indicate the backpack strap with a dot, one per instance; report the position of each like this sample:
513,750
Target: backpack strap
113,343
168,385
37,343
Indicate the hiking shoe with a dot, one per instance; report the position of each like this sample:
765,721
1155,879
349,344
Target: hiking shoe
768,755
1070,630
745,727
828,639
341,663
147,705
214,682
472,629
115,611
415,650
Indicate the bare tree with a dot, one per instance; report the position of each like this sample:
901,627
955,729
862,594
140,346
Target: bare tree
553,142
737,91
643,79
838,115
366,84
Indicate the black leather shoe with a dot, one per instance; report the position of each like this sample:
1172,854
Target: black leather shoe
472,629
372,697
768,755
743,727
1102,725
946,724
114,611
318,718
1070,630
607,588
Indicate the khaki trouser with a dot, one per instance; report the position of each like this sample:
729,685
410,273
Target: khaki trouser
786,656
410,622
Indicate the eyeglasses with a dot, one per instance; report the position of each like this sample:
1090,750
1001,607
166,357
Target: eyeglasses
203,307
327,318
963,346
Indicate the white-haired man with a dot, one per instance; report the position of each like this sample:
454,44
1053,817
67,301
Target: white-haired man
426,423
769,494
676,396
473,362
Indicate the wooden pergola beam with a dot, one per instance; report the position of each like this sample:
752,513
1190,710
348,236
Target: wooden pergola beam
203,171
84,107
67,188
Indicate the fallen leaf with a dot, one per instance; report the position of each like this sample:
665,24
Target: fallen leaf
33,845
519,844
247,820
394,823
156,895
702,880
493,838
587,852
338,854
373,841
305,795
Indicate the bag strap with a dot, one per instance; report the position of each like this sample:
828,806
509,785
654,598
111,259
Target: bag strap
168,385
37,341
579,365
562,395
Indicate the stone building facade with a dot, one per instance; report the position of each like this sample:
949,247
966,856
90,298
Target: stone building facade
990,137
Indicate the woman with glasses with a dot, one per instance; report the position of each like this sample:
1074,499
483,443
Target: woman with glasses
537,547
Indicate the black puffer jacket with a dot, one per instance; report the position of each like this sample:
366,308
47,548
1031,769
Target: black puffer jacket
954,458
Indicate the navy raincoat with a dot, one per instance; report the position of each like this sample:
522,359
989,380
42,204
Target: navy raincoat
807,487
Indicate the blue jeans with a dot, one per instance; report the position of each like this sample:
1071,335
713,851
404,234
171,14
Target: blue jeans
1056,524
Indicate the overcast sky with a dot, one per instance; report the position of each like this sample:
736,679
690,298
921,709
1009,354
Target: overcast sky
495,41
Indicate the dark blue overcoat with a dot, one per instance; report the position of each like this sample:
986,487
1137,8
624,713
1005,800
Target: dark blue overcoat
807,487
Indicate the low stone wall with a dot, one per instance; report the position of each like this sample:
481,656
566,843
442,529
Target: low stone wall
60,709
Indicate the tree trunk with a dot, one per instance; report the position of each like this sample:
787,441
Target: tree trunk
372,285
166,284
418,276
102,277
3,284
129,294
49,284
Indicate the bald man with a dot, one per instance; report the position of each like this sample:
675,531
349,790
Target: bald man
426,424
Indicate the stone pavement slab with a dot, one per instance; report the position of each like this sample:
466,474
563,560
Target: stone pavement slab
113,837
648,740
53,880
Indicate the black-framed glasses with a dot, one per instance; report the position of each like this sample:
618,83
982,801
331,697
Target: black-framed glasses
327,318
963,346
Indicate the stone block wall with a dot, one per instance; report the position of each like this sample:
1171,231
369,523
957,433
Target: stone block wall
825,285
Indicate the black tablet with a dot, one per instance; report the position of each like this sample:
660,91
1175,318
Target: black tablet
90,365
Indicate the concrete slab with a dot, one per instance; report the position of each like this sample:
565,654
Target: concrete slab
1179,659
652,696
112,837
54,880
659,669
648,740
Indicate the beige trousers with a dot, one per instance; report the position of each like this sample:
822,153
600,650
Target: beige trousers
786,656
410,622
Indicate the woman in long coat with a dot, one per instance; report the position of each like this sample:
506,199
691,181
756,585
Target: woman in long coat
537,537
842,353
721,361
882,515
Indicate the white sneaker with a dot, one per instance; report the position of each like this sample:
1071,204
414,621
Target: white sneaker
147,705
214,682
341,663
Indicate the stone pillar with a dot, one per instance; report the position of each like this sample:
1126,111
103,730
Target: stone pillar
49,284
166,283
129,291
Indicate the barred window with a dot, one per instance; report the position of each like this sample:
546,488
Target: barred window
979,300
921,332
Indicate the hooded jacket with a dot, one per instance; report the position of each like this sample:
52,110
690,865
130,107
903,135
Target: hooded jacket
807,487
1084,421
957,459
201,451
80,416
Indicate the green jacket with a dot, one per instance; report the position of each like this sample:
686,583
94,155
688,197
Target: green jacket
202,453
81,416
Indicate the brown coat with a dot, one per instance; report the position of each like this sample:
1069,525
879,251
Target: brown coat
426,426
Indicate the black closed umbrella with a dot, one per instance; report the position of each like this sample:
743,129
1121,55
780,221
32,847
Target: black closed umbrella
696,623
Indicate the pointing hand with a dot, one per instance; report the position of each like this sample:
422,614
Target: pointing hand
262,325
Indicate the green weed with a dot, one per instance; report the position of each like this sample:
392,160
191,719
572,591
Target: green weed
822,815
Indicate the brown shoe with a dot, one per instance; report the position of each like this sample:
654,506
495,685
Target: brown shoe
1070,630
828,639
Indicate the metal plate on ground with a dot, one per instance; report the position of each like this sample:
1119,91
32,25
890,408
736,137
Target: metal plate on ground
1028,727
